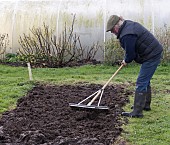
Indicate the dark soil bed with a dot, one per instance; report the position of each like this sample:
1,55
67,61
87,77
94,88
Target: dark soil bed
44,117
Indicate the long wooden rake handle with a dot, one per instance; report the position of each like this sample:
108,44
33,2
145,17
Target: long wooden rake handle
99,92
112,76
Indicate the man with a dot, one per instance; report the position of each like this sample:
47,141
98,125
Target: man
142,47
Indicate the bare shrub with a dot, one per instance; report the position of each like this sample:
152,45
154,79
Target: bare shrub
113,52
163,35
43,48
4,42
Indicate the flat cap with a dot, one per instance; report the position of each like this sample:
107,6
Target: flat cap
113,20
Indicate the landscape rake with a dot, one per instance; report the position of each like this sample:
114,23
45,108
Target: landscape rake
94,96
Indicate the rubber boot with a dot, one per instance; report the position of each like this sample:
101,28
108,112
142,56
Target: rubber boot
148,100
139,103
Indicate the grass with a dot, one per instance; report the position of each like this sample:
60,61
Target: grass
14,84
153,129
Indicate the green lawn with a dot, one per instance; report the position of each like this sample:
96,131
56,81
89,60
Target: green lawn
153,129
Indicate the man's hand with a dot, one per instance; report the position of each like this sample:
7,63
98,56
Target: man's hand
124,63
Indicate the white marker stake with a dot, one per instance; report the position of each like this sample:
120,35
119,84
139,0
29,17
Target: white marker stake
29,71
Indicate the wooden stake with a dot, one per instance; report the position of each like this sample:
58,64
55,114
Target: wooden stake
29,71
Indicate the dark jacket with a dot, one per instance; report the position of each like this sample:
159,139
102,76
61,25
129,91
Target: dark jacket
146,47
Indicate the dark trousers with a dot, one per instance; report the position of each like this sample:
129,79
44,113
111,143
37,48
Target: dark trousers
146,72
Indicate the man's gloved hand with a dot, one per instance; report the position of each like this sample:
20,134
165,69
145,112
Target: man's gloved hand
124,63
